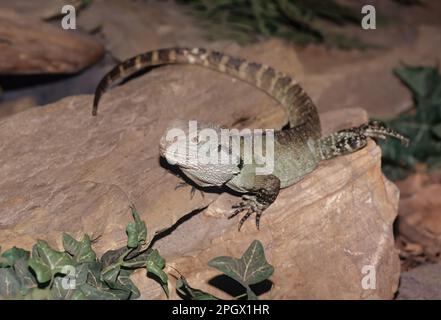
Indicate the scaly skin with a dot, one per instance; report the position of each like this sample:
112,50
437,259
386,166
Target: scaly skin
297,150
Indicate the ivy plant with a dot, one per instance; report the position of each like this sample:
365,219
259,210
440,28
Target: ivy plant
76,274
251,268
422,124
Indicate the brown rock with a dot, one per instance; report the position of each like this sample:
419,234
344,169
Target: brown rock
334,78
319,234
131,27
343,79
28,46
63,170
420,221
422,283
11,107
41,9
412,184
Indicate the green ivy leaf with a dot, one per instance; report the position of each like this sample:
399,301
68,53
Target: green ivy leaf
436,130
136,231
250,269
80,278
47,262
113,256
110,275
418,79
9,283
80,250
41,269
27,279
78,295
190,293
154,264
12,255
101,293
423,127
38,294
124,283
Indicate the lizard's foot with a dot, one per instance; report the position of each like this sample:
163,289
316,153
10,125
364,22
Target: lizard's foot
249,205
192,191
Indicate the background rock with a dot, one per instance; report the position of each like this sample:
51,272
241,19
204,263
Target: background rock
419,223
16,106
28,46
63,170
422,283
334,78
41,9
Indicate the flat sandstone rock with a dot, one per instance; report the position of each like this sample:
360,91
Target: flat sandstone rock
29,46
63,170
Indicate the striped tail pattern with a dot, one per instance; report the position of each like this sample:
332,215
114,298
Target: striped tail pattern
300,109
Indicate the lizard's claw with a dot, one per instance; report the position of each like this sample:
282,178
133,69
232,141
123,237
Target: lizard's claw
180,185
249,205
192,191
376,129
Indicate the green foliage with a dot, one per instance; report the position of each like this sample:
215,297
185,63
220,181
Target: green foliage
422,125
8,257
298,21
136,231
75,273
155,264
251,268
190,293
81,250
86,3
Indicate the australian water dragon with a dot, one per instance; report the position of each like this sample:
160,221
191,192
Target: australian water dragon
297,149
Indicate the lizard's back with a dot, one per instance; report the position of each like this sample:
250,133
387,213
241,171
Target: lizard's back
294,154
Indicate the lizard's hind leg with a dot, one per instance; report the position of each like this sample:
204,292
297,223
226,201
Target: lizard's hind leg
353,139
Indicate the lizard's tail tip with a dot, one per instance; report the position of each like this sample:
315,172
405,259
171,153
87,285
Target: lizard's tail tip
405,141
376,129
95,108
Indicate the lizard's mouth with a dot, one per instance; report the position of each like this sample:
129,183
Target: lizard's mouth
174,159
162,150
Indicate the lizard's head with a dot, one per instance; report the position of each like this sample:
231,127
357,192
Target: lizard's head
196,149
182,140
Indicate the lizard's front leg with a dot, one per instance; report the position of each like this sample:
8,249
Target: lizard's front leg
183,184
353,139
263,194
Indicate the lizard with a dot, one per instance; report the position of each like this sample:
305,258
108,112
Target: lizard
298,149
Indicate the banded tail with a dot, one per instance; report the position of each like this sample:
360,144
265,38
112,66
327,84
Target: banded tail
281,87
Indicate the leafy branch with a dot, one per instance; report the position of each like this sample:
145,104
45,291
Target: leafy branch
251,268
75,273
422,124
